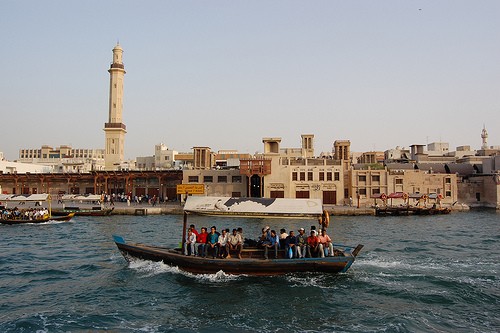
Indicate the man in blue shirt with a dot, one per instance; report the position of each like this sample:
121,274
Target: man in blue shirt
271,242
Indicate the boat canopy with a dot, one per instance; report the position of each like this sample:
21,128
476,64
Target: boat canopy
396,195
79,197
23,197
260,207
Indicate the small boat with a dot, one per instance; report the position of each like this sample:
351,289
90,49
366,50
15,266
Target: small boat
252,260
21,200
94,211
64,218
87,199
411,210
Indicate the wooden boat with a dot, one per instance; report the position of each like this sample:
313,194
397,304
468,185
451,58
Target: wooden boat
38,198
64,218
251,263
411,210
87,199
252,260
95,211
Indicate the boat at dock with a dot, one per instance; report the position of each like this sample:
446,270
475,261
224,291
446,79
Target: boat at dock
252,260
79,211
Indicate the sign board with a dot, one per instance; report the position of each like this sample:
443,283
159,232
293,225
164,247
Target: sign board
191,189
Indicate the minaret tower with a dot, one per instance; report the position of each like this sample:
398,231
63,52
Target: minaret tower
115,129
484,136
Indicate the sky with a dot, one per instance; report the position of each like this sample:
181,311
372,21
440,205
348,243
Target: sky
225,74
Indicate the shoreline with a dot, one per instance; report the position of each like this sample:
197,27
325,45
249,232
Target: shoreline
174,208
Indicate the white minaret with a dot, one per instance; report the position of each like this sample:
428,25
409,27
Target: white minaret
115,129
484,136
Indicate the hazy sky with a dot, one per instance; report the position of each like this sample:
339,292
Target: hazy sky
225,74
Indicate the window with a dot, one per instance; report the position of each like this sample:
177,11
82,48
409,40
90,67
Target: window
222,179
208,179
329,176
294,176
302,176
236,194
375,191
447,180
375,178
236,179
448,193
399,181
362,191
310,176
167,158
362,178
321,176
336,176
193,179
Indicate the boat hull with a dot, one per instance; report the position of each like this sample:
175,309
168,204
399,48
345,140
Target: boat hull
83,212
252,262
64,218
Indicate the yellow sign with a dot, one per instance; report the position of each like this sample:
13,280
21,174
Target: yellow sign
191,189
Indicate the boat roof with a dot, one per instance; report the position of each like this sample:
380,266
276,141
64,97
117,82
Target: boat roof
24,197
80,197
261,207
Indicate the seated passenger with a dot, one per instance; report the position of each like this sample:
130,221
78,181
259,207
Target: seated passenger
201,241
290,243
234,242
271,242
264,237
314,247
212,239
189,244
326,242
283,236
222,243
301,243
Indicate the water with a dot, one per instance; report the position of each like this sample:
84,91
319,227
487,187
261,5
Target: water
415,274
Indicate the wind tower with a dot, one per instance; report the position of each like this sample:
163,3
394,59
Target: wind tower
115,129
484,137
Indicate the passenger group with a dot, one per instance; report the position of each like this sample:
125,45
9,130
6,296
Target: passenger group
221,245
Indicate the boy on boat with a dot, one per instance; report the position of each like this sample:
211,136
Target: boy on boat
234,242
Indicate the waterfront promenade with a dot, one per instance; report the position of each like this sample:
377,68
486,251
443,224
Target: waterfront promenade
174,208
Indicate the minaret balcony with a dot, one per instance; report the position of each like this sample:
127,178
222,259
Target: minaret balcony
117,66
115,125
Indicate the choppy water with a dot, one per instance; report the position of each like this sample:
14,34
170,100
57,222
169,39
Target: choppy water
415,274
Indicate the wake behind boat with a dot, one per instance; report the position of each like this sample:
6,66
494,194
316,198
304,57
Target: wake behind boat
252,259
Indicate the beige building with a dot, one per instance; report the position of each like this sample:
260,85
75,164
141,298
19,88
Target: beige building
367,184
296,173
115,129
217,182
65,158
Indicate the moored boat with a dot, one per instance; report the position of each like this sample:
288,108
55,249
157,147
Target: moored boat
95,211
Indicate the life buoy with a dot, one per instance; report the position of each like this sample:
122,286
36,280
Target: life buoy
405,196
383,196
325,219
440,196
425,197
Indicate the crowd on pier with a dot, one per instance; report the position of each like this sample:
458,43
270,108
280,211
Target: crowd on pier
222,244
